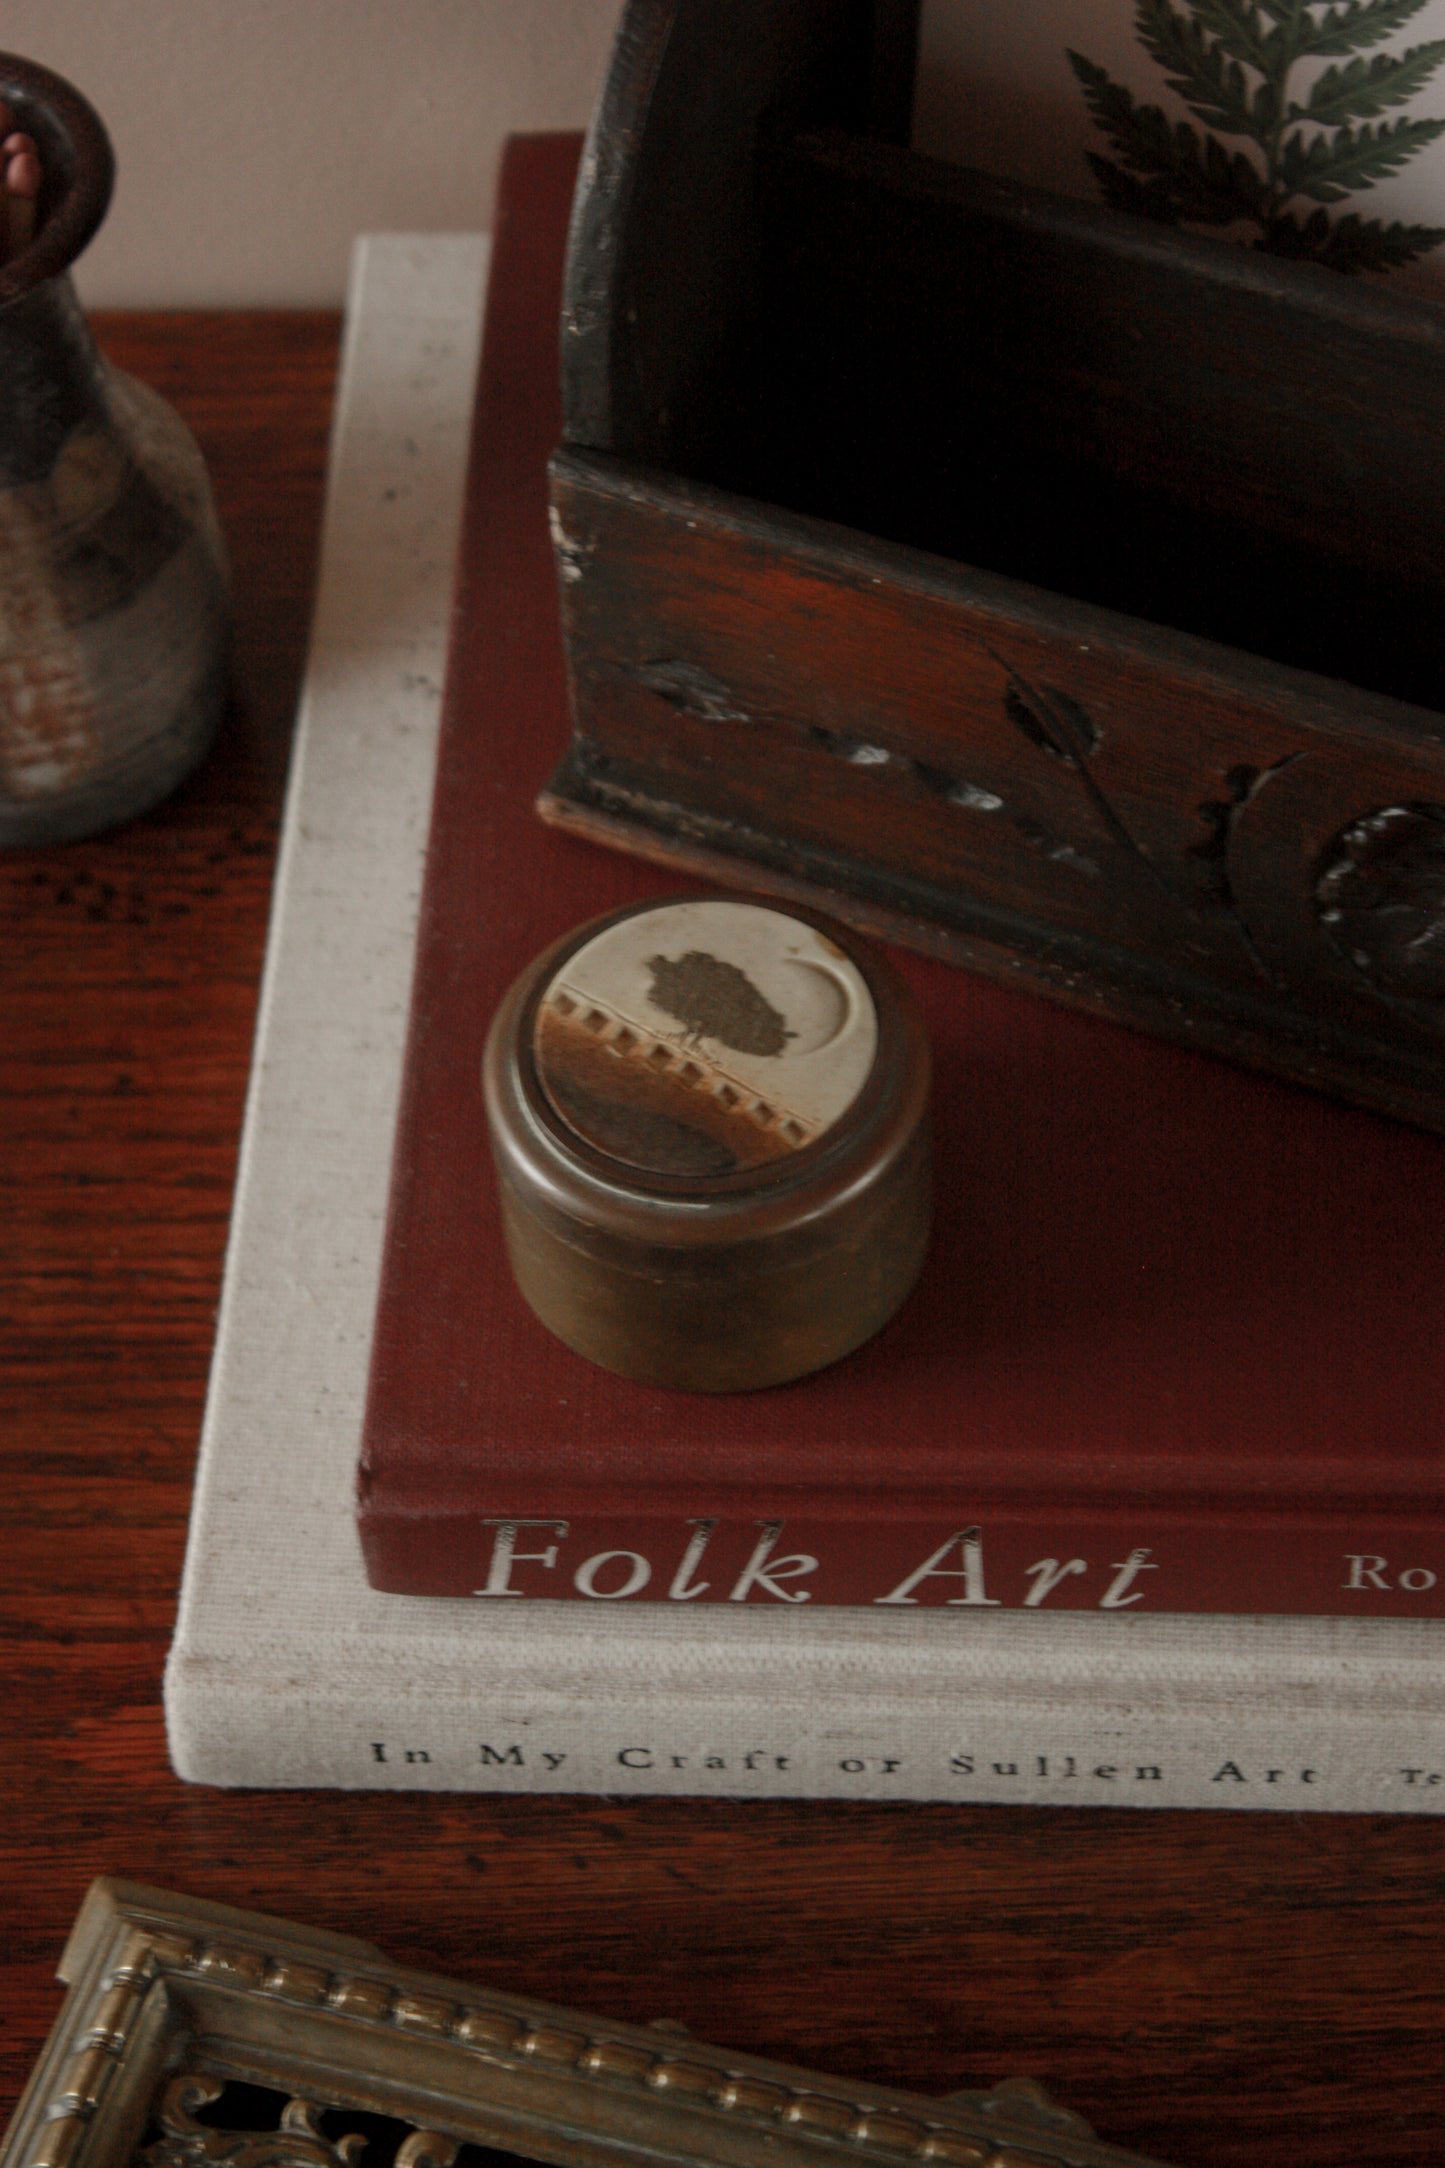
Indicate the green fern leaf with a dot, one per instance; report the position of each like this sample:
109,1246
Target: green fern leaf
1198,67
1142,199
1247,186
1345,29
1358,244
1350,244
1265,110
1279,50
1363,88
1303,240
1238,28
1141,134
1230,62
1328,168
1114,109
1165,170
1232,186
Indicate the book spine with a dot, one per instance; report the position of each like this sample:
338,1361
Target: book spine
1030,1558
231,1730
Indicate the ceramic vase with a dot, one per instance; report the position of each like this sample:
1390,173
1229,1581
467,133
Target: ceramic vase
113,600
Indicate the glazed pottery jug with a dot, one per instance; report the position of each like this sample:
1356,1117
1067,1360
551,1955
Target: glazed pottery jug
113,608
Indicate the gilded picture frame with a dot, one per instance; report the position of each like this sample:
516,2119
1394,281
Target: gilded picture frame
177,2007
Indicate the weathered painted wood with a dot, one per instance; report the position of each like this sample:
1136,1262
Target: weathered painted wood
1128,817
1055,591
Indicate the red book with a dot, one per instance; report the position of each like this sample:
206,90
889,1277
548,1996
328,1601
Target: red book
1176,1346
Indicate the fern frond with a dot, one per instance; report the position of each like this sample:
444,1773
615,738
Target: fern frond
1236,185
1211,84
1142,199
1166,169
1358,244
1328,168
1238,27
1348,28
1349,244
1266,109
1230,61
1303,239
1187,191
1362,88
1140,133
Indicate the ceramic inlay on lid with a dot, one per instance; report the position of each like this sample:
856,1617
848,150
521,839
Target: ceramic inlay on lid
705,1037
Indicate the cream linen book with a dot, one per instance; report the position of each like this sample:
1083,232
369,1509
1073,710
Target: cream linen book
287,1669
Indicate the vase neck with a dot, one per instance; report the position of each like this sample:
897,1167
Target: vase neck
53,375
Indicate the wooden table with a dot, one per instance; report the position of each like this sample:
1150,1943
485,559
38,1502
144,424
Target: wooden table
1227,1988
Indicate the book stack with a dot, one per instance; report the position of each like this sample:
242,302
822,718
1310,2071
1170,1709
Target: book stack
1070,1530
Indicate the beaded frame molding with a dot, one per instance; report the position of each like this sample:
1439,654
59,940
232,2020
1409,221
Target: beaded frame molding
195,2036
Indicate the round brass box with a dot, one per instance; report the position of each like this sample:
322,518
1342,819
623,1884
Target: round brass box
710,1124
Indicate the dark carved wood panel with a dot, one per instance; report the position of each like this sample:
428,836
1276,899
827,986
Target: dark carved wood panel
1132,820
1114,443
1231,1990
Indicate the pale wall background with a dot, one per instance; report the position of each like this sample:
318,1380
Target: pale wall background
254,137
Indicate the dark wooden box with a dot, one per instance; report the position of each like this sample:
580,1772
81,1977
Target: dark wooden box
1052,591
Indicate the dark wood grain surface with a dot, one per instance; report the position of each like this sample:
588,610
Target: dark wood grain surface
1227,1989
896,500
